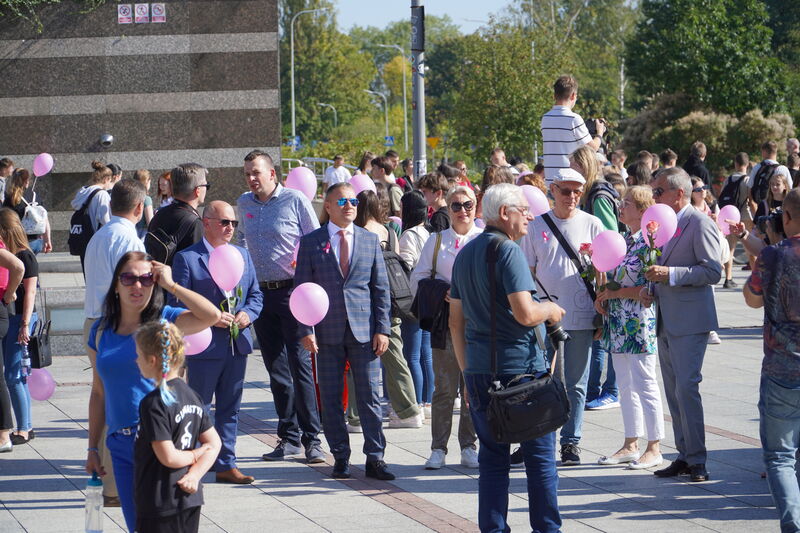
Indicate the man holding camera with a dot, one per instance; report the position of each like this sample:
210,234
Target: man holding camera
518,316
564,131
775,286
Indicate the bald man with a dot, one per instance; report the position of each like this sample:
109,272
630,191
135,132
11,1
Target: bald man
219,371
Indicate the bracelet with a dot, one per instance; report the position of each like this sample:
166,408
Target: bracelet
743,235
93,450
173,288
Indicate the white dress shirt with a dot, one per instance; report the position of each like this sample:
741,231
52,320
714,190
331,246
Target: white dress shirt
336,240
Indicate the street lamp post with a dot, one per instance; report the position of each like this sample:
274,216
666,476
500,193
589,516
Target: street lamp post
291,45
405,109
385,107
335,115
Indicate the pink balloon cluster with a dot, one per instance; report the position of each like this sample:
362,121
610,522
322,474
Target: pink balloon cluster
666,222
41,384
362,182
42,164
309,303
727,215
302,179
608,250
537,201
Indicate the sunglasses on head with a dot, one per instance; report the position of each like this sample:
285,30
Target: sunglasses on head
128,279
226,222
342,201
458,206
569,192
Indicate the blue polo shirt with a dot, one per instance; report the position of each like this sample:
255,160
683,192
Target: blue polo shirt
517,350
123,383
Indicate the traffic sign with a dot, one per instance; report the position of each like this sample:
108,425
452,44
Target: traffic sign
433,142
388,140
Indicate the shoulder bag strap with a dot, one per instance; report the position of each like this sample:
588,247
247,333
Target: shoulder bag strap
570,253
436,253
491,259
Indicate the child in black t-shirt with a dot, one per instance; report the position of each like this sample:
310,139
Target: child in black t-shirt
168,465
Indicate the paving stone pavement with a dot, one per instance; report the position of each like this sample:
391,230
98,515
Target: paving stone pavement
41,483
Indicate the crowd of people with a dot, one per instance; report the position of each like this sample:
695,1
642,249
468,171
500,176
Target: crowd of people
439,291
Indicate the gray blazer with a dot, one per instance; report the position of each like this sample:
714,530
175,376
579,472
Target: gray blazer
688,307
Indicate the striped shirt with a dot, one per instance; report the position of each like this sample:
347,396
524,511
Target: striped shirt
563,132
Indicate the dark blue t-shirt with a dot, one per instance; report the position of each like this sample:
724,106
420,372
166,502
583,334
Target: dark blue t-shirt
517,349
116,364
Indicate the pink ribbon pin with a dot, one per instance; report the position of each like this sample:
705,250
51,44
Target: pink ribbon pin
249,215
327,248
457,244
545,237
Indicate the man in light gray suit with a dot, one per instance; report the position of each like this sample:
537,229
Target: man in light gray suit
687,269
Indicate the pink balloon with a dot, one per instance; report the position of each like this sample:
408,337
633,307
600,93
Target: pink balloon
42,164
397,220
729,212
608,250
197,342
537,201
41,384
362,182
479,223
227,266
309,303
665,218
302,179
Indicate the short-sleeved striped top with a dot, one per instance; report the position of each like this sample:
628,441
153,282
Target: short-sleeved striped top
563,132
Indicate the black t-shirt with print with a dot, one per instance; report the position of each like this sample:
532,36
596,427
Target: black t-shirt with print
157,492
31,271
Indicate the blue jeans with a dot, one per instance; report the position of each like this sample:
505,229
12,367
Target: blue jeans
417,351
779,408
599,357
577,352
12,372
121,448
494,460
37,245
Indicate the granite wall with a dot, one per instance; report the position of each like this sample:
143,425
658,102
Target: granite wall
202,86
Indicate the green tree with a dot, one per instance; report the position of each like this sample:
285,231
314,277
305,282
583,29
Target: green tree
715,52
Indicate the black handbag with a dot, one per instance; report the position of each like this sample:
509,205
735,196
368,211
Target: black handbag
39,346
528,406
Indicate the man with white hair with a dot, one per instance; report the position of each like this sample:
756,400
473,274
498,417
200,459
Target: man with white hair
792,146
553,249
519,314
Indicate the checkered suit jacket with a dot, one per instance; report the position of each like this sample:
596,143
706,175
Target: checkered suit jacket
362,299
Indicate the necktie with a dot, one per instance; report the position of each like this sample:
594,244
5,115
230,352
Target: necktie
344,254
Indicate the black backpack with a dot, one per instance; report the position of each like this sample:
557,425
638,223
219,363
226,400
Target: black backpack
399,283
730,193
80,227
761,181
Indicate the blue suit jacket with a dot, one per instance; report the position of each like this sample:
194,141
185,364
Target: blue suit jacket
362,299
190,270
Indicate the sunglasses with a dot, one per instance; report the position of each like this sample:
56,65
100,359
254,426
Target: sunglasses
342,201
569,192
699,189
128,279
455,207
226,222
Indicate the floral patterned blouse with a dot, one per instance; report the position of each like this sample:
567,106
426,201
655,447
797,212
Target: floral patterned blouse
630,327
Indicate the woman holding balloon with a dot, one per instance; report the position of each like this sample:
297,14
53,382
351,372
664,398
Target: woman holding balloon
630,335
117,384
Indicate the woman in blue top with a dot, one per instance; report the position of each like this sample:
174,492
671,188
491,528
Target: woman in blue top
117,384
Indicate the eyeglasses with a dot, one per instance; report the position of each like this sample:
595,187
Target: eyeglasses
523,209
658,191
462,169
455,207
569,192
206,185
225,222
342,201
128,279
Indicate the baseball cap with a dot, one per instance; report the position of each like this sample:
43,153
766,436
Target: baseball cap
568,174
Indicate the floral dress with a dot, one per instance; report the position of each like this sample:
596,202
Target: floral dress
630,327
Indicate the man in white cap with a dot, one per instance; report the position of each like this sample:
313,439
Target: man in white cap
553,240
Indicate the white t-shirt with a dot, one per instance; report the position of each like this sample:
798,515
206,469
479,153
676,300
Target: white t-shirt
563,132
335,175
451,244
781,170
555,271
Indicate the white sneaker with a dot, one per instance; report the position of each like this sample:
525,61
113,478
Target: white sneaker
436,460
426,410
414,421
352,428
7,447
469,458
713,338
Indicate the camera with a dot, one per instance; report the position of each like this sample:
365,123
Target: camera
592,127
556,333
775,221
106,140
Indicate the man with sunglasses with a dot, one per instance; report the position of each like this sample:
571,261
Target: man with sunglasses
550,261
219,370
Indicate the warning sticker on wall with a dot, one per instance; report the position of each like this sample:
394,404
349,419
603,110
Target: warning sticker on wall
124,14
159,12
142,13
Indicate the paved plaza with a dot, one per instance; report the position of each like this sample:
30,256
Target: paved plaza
41,483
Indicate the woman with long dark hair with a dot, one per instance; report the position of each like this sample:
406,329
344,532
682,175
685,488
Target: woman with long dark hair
134,298
18,198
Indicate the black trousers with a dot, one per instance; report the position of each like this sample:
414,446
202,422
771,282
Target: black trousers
186,521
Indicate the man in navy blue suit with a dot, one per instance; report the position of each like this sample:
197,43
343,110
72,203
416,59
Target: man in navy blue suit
219,370
347,262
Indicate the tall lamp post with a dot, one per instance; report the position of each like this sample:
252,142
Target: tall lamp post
385,107
335,115
291,45
405,109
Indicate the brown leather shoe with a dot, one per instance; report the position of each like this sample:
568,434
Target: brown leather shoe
234,476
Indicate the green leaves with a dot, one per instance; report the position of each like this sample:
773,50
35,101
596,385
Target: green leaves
229,305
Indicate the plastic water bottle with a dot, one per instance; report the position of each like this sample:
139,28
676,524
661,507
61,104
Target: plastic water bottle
26,362
94,505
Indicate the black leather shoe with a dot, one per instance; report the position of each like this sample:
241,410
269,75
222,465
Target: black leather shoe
698,472
675,469
378,470
341,469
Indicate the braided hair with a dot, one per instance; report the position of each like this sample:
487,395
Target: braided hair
164,339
